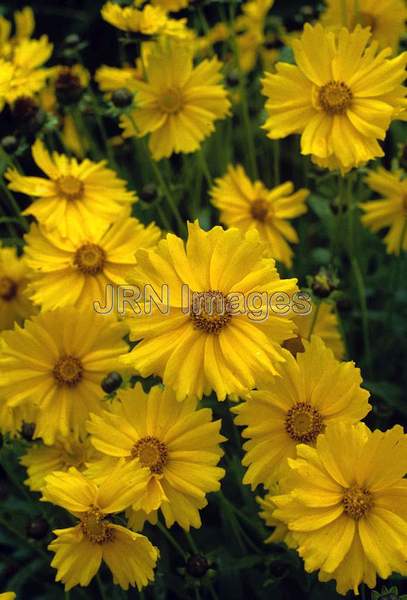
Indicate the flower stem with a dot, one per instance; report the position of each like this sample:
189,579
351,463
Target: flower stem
204,167
314,317
171,539
16,209
100,586
276,162
167,193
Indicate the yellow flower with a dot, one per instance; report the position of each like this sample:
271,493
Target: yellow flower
313,391
341,96
178,110
24,28
12,419
176,441
227,331
390,211
42,460
112,78
75,271
325,326
268,507
57,362
79,550
24,72
76,194
347,505
15,305
150,20
386,18
248,205
170,5
7,596
250,28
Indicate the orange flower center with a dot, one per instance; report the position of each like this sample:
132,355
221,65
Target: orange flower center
210,311
357,501
304,423
95,527
335,97
260,210
90,259
151,452
68,370
70,187
171,101
8,289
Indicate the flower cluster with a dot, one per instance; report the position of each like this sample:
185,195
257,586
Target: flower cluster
165,187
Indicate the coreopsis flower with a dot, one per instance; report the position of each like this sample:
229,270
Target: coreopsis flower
178,110
325,325
57,362
24,25
390,210
268,508
27,76
110,79
74,194
7,596
79,550
177,442
313,391
219,326
250,28
149,20
75,271
386,19
15,306
340,96
247,205
41,460
349,490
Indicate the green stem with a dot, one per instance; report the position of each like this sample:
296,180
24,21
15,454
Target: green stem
100,586
170,198
191,542
276,162
245,111
363,306
314,317
102,130
344,13
171,539
204,167
23,539
21,219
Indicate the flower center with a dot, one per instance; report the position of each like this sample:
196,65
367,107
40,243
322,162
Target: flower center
335,97
259,210
210,311
95,527
90,259
304,423
151,452
171,100
8,289
70,187
357,501
68,370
